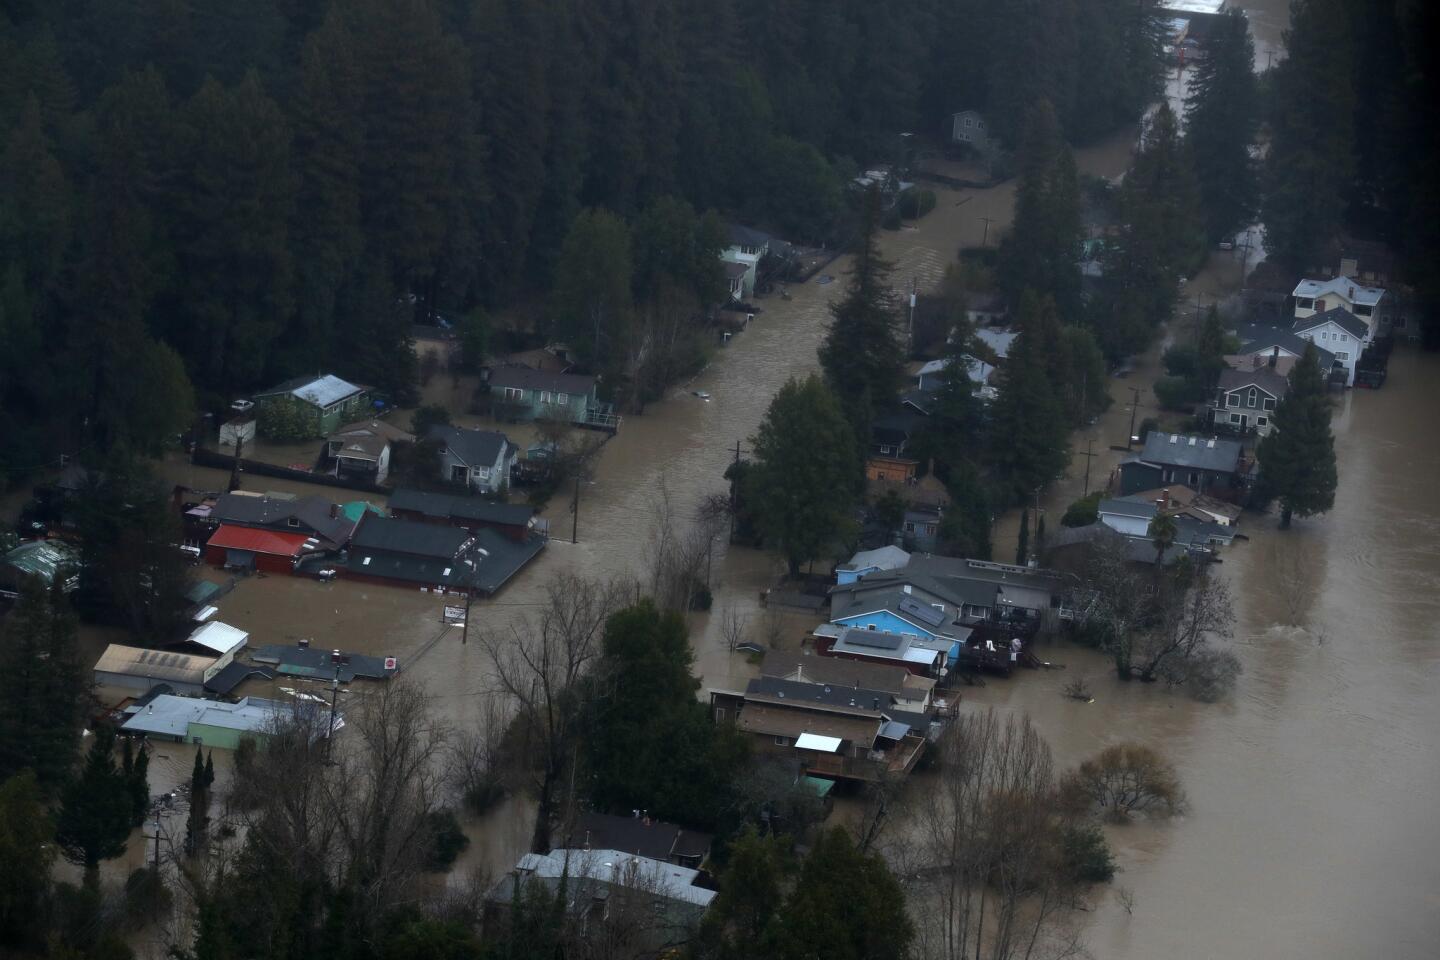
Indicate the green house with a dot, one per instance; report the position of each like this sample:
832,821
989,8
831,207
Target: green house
320,404
520,393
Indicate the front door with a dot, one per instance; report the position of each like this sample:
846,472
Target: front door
458,473
1244,421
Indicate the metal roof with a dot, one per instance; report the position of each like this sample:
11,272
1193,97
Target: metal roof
255,540
997,340
168,715
318,513
42,558
321,391
655,877
220,637
813,741
157,665
1127,508
882,558
389,535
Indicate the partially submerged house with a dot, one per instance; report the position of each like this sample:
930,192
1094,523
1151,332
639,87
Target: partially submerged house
480,460
1341,333
871,561
1245,400
316,518
967,128
218,640
522,394
305,662
1365,303
845,733
137,668
42,559
905,690
1274,348
323,402
639,835
212,723
655,906
514,521
362,449
1200,463
431,556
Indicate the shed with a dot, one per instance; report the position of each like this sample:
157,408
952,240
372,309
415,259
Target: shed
37,558
272,551
220,639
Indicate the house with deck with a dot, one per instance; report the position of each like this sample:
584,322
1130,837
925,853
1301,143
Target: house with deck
522,394
362,450
1245,400
904,690
1274,348
480,460
323,403
1341,333
844,733
1204,464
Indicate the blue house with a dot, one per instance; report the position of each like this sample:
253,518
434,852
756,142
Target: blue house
901,613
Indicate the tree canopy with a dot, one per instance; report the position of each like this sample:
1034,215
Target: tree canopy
1297,458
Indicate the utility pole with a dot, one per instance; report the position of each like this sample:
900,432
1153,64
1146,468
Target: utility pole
1088,455
985,236
1134,405
338,659
912,313
575,513
734,474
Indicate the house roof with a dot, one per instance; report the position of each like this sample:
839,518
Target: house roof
320,391
733,270
742,236
1345,287
523,378
775,721
835,672
883,558
297,661
933,366
1263,378
169,715
235,673
158,665
474,448
372,428
954,580
1201,453
446,506
266,511
614,867
270,542
646,838
915,649
985,302
1182,498
1257,338
389,535
217,636
367,440
1339,316
1128,507
997,340
41,558
852,701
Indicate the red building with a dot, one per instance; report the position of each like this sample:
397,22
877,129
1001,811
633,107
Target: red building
272,551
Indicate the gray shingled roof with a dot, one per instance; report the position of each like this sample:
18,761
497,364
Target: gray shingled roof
474,448
1200,453
1264,378
388,535
523,378
1259,339
274,513
1339,316
447,506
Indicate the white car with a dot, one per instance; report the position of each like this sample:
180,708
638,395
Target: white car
702,395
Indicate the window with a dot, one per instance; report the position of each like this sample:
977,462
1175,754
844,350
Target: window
1261,421
782,741
1250,398
1269,403
1342,356
1194,480
909,527
1232,399
544,396
969,122
1303,303
514,393
365,562
1362,311
1344,338
292,522
1234,418
562,398
1319,306
720,714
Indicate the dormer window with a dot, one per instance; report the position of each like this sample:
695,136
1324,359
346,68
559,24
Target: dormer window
292,522
1250,398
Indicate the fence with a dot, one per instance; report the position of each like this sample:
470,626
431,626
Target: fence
202,457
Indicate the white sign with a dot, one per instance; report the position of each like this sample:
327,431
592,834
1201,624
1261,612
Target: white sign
391,663
454,614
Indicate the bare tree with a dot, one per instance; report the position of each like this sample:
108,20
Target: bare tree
1124,779
1122,602
733,626
476,756
680,549
991,846
539,666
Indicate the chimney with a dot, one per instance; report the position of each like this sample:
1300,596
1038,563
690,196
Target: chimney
334,510
1274,357
303,643
874,703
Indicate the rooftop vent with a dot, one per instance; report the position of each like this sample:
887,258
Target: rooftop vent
1174,438
1211,443
1192,441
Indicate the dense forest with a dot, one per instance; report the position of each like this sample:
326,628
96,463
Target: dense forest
198,199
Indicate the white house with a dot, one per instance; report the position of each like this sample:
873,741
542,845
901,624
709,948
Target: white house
1340,332
1246,399
742,259
968,127
1317,296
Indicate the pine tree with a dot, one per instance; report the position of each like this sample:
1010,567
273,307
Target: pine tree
35,201
965,527
1221,113
1297,458
591,299
1041,253
1022,545
1311,154
198,820
862,355
140,786
210,770
1027,422
1040,538
27,851
41,685
801,487
95,814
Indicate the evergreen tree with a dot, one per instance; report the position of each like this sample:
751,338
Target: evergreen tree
651,744
140,786
801,486
1210,350
862,355
1312,133
95,814
591,300
210,770
843,907
1022,545
751,893
27,851
1297,458
198,820
1221,114
1041,253
35,202
41,685
1040,538
965,527
1027,423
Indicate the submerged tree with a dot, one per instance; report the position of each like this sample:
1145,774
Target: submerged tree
1297,458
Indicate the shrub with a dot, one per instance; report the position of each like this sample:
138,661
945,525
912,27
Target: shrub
430,415
446,840
914,204
1085,854
1124,779
1082,512
1176,393
1146,425
1181,361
